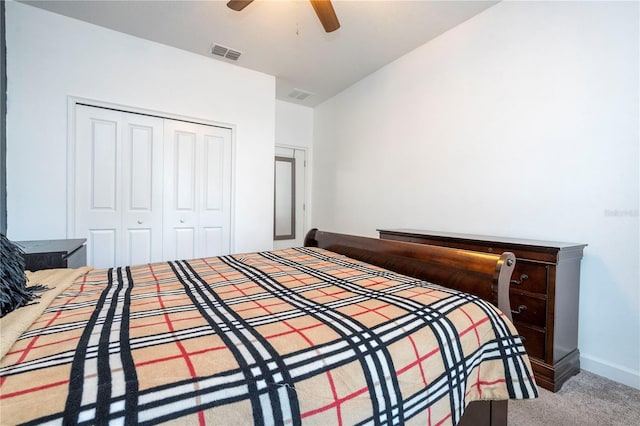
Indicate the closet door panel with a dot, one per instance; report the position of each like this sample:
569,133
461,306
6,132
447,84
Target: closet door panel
97,186
214,241
180,190
102,243
214,173
104,143
142,189
185,171
140,246
185,242
197,163
118,186
215,205
141,182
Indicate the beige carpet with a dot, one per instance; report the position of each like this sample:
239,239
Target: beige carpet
584,400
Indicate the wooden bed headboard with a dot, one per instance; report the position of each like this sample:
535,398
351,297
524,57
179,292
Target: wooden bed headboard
482,274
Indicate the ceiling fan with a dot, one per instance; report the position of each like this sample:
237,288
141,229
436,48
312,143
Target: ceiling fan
323,8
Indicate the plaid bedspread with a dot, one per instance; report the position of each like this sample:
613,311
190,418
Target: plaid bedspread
284,337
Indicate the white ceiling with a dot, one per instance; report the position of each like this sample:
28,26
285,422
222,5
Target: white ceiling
284,38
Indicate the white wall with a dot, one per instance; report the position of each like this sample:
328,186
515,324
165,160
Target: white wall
51,57
521,122
294,124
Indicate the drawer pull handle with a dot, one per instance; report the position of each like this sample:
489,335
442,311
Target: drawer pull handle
523,278
520,309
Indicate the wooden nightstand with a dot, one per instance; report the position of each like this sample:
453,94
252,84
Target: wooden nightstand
544,295
49,254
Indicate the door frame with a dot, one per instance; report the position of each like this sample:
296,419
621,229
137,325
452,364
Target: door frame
74,101
306,216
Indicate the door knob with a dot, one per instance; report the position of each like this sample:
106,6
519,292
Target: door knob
139,222
181,220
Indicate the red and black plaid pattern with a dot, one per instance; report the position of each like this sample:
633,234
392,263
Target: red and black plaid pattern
285,337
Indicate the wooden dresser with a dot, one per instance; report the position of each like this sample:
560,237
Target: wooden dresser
544,295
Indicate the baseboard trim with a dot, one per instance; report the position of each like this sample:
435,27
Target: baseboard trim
614,372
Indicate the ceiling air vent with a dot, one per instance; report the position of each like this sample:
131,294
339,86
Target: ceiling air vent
299,94
225,52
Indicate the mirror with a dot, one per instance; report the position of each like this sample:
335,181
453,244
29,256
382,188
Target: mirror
284,217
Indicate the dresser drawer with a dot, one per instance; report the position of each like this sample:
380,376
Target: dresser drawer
530,276
534,340
528,309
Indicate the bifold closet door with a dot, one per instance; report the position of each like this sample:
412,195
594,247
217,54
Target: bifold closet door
118,186
197,195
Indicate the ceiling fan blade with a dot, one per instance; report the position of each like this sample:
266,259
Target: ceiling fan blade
238,5
326,14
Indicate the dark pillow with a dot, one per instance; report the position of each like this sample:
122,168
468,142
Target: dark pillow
13,281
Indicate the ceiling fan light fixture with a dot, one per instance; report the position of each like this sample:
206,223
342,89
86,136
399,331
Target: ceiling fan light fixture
324,10
238,5
326,14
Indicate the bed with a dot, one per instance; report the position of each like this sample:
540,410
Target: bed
345,330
